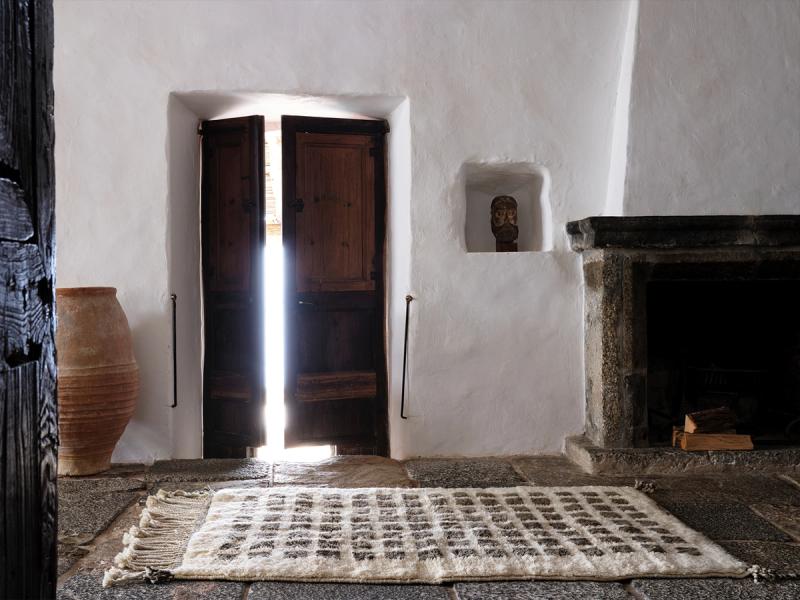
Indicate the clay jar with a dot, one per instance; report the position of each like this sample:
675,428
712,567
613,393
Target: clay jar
98,378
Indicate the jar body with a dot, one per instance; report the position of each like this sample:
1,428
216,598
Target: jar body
98,378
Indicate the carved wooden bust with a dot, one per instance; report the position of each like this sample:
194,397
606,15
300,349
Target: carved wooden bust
504,223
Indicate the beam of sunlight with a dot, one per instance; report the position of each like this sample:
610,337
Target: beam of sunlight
274,412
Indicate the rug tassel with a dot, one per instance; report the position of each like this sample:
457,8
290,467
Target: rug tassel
159,541
760,573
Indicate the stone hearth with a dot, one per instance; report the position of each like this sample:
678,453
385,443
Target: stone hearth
622,258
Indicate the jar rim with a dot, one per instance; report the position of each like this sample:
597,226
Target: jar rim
85,291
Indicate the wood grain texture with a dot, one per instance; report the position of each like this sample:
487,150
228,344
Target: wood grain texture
16,75
335,244
314,387
28,413
714,441
334,209
233,239
714,420
15,220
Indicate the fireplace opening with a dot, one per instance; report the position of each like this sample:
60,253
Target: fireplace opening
725,343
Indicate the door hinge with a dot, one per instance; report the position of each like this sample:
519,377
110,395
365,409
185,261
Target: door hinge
373,152
299,205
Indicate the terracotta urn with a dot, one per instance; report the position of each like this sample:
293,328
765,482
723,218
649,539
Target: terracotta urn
98,378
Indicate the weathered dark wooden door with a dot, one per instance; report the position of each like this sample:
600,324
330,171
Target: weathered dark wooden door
334,225
28,419
233,237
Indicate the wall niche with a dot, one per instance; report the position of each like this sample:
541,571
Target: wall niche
527,183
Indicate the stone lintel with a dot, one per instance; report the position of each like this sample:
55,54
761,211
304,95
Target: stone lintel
699,231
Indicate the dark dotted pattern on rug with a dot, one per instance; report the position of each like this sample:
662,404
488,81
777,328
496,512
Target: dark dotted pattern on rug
475,524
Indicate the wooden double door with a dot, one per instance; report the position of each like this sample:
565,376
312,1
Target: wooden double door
334,205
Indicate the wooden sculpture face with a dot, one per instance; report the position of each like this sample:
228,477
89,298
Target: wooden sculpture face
504,219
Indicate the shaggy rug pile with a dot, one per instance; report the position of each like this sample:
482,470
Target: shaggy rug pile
401,535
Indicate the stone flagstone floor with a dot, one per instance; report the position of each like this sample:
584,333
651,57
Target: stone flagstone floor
756,517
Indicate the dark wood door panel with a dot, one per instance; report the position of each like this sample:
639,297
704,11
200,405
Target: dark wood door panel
334,232
233,243
336,385
333,422
335,340
231,418
229,330
28,411
229,230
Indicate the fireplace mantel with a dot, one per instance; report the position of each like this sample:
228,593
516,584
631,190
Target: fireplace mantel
684,232
621,256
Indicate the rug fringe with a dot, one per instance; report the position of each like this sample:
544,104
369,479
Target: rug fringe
157,545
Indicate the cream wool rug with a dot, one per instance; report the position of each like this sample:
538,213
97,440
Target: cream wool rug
401,535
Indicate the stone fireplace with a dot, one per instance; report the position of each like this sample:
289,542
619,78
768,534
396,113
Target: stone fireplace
685,313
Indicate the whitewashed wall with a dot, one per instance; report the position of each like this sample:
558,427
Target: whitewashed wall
496,339
715,108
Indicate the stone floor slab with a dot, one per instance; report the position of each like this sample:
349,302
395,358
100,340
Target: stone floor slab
560,471
541,590
85,587
344,471
792,478
88,512
464,472
210,469
716,589
124,470
98,485
98,554
725,521
545,470
743,488
263,590
192,486
785,517
781,558
68,556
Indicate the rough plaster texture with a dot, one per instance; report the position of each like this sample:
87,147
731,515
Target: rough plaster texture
496,340
715,108
524,82
183,252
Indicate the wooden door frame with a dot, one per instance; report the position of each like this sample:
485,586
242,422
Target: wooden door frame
290,126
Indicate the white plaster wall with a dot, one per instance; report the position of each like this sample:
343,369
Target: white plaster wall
183,239
496,340
615,198
715,108
399,239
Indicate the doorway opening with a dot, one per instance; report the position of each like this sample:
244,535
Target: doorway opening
274,326
222,343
